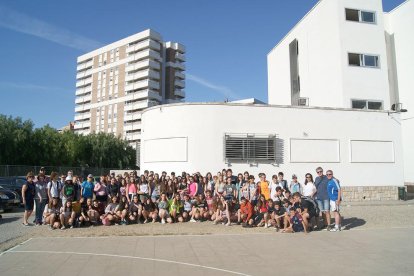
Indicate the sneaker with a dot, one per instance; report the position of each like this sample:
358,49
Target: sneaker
193,220
335,229
265,225
162,221
71,227
63,227
145,221
238,223
328,228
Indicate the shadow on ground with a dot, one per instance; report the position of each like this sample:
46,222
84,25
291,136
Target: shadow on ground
8,219
353,222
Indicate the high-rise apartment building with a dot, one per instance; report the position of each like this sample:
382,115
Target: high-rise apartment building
116,82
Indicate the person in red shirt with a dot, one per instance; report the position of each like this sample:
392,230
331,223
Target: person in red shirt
245,213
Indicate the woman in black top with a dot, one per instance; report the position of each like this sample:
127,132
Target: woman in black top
28,195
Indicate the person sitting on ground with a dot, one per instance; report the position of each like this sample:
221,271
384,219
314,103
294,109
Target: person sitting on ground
270,219
188,207
280,216
306,208
67,215
110,215
163,209
52,213
121,210
199,208
245,214
223,213
83,217
297,224
149,210
261,212
211,206
176,208
135,210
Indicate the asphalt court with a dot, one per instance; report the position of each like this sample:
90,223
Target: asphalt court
368,252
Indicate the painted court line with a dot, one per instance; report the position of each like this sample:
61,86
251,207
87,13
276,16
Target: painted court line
131,257
14,247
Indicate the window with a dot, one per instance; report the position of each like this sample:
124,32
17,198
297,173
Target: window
363,60
242,148
360,16
366,104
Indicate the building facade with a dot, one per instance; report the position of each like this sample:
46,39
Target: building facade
349,54
115,83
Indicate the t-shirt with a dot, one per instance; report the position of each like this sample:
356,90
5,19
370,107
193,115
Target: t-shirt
283,184
200,204
281,211
113,189
295,187
308,189
55,188
272,188
229,188
69,191
296,222
163,205
87,189
192,189
187,206
252,191
333,189
321,184
264,189
305,204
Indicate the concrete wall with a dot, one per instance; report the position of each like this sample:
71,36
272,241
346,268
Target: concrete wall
362,147
399,23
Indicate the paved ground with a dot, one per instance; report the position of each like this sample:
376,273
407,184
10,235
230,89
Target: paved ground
359,252
378,240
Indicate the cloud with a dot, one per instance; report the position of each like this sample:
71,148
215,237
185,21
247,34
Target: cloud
225,91
22,23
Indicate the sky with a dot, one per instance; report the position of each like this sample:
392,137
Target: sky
226,46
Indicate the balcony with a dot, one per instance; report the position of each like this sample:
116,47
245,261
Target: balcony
143,95
84,82
83,90
146,54
136,105
84,65
82,116
132,126
142,85
84,99
142,75
179,93
84,74
142,65
179,83
180,66
143,45
82,107
133,136
82,125
180,75
132,116
180,56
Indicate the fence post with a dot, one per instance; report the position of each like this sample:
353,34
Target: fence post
7,170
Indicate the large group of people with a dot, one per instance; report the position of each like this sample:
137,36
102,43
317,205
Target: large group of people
67,201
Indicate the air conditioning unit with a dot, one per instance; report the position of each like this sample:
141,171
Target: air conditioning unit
303,101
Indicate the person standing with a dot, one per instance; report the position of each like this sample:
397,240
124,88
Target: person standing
54,187
28,195
264,186
40,198
87,187
334,192
321,196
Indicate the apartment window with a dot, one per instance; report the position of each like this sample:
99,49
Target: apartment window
241,148
360,16
367,104
363,60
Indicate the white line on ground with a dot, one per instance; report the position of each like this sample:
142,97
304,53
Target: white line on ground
131,257
14,247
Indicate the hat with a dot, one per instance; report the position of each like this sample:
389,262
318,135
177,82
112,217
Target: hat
68,178
294,176
90,176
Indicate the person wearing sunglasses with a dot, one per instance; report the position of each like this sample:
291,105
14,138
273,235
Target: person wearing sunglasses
334,192
321,196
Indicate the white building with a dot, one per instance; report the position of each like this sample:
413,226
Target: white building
349,54
347,63
116,82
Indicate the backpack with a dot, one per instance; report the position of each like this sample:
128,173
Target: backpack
313,203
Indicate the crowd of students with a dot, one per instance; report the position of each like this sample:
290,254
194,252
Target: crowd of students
150,198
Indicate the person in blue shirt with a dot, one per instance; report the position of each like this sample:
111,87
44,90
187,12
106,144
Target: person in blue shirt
87,188
321,196
334,193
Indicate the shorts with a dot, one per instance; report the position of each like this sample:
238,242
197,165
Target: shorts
29,206
323,204
258,218
334,206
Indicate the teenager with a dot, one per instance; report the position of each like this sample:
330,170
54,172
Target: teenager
100,190
121,210
52,213
67,215
41,198
176,208
149,210
110,214
135,210
163,209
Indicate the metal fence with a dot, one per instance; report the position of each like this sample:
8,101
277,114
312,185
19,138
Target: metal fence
21,170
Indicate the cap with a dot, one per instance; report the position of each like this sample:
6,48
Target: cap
294,176
90,176
68,178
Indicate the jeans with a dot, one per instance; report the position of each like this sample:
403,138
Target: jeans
40,207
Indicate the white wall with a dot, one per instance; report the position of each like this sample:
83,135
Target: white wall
374,134
325,38
400,23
